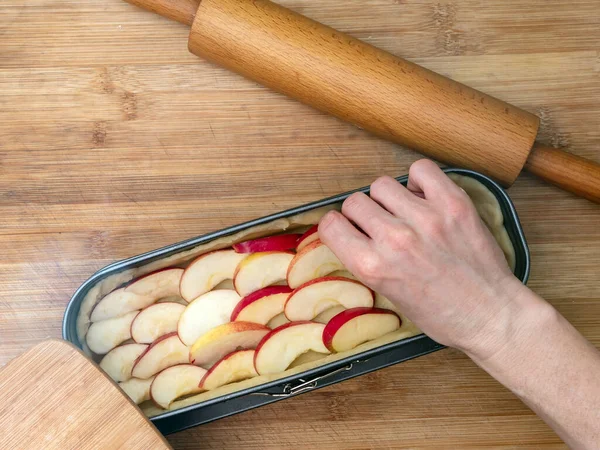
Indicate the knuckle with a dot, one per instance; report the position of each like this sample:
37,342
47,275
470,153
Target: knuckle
423,165
459,208
370,267
434,226
382,184
402,238
354,202
327,222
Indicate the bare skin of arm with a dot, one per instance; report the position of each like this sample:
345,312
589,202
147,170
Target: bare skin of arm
426,249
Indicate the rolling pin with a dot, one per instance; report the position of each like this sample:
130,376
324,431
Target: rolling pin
375,90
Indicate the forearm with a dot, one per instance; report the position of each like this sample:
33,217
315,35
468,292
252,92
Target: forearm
550,366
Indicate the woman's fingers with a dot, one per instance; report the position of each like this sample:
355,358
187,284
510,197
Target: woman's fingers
426,177
369,216
346,242
394,197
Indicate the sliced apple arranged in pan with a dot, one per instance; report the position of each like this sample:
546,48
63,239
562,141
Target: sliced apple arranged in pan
313,297
314,261
353,327
224,339
232,314
175,382
278,349
138,294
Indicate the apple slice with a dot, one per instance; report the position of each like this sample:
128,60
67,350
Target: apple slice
260,270
207,271
277,321
315,296
279,243
159,284
205,313
235,366
225,284
138,294
166,351
309,236
155,321
225,339
284,344
329,314
357,325
137,389
105,335
119,361
262,305
175,382
314,261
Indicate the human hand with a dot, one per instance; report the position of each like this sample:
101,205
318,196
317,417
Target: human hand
425,248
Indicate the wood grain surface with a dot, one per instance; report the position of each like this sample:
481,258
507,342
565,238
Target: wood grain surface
114,140
53,398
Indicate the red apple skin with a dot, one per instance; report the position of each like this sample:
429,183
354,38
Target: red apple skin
344,317
257,295
224,358
277,243
275,331
319,280
312,230
160,339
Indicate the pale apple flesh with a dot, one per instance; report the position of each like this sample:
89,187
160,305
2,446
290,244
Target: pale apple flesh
119,361
284,344
175,382
353,327
315,296
224,339
159,284
205,313
166,351
233,367
105,335
207,271
260,270
314,261
277,321
139,294
329,314
278,243
308,237
156,321
261,306
137,390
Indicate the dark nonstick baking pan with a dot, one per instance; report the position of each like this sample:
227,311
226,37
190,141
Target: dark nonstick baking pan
318,377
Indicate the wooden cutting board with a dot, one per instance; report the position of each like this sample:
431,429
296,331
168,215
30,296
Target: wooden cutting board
53,397
115,140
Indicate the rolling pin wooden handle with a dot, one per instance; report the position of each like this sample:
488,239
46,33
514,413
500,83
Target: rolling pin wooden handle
182,11
571,173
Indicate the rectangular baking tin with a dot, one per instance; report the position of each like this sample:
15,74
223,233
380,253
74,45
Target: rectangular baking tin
334,372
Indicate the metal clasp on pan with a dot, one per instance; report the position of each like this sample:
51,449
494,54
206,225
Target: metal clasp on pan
306,385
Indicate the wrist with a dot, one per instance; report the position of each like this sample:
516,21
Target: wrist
522,320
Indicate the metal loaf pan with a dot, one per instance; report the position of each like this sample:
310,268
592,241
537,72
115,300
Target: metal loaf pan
325,375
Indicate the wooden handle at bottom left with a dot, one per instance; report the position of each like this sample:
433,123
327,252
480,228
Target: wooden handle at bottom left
567,171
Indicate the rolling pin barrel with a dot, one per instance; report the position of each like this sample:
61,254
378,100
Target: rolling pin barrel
364,85
375,90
